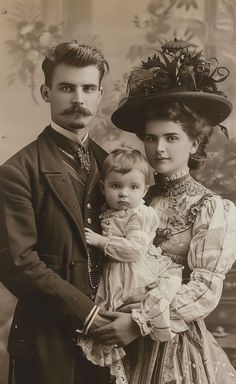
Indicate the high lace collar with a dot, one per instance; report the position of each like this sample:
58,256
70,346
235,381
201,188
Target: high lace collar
176,184
175,176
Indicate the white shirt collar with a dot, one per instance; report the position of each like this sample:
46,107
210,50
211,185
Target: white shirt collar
70,135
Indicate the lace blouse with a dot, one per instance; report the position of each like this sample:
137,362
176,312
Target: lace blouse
198,230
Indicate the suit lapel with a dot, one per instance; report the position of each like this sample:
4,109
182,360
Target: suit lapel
51,166
99,155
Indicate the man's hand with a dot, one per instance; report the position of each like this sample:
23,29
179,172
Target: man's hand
99,321
121,331
94,239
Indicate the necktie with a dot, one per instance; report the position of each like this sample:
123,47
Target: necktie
83,155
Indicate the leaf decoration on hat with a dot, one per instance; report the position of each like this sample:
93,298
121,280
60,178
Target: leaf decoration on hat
139,75
224,130
177,67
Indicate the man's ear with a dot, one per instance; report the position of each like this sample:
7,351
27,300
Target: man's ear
45,92
101,184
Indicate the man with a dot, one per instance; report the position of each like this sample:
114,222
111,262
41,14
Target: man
49,191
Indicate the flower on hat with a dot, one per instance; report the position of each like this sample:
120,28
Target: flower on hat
177,67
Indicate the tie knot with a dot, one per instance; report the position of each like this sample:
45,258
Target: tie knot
84,157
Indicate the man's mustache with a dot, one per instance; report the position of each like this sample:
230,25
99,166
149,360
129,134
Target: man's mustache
76,109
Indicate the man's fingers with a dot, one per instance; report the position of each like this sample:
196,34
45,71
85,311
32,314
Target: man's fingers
111,315
102,330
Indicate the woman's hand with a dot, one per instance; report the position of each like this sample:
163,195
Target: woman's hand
133,302
94,239
121,331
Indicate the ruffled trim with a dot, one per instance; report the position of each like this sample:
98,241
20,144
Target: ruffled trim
108,213
100,354
140,317
153,316
105,356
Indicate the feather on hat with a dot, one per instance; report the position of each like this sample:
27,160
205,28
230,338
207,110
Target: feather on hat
176,73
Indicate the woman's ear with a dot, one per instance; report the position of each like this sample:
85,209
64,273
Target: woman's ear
101,184
195,144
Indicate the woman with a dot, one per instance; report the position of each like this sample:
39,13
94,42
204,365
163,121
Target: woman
173,105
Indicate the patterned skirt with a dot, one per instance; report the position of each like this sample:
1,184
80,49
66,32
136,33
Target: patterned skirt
192,357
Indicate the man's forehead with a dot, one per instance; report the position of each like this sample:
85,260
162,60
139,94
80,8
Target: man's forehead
65,73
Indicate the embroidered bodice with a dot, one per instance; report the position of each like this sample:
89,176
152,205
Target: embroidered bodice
178,199
198,230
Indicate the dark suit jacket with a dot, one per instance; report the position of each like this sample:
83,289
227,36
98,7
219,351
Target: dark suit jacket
43,255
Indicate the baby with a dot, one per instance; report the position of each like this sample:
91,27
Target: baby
133,263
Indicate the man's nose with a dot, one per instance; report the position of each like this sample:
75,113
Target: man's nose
78,97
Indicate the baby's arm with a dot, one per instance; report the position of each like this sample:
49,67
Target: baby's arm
94,239
154,314
136,240
169,277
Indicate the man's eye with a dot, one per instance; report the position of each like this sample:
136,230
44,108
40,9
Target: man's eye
89,88
66,88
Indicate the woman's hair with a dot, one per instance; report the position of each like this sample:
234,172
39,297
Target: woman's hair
74,54
124,160
194,125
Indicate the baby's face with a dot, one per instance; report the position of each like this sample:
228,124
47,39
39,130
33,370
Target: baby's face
124,191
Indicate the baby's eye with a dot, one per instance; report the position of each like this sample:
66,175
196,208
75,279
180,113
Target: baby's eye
115,186
134,186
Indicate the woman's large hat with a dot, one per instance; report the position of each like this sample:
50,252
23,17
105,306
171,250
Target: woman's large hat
177,73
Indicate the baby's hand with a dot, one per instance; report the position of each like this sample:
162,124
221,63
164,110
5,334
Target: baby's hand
94,239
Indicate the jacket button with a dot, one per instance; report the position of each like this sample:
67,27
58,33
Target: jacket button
89,206
89,220
73,263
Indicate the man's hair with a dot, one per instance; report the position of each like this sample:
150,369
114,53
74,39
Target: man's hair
124,160
74,54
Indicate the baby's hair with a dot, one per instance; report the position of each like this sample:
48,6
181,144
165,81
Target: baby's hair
124,160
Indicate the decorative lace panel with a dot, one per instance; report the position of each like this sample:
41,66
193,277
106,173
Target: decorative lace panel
171,187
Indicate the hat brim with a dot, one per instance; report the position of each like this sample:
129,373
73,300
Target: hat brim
129,115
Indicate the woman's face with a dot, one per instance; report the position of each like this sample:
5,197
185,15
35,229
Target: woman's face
167,146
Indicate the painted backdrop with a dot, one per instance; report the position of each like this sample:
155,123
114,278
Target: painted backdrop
125,30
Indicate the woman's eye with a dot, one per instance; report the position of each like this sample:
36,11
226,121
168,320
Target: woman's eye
171,138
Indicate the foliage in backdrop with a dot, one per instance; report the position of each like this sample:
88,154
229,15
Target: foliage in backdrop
30,43
161,22
206,22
